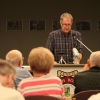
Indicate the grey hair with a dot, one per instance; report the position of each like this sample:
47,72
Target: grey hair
95,59
66,15
14,60
6,68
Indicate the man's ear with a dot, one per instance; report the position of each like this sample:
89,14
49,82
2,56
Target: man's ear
20,63
60,23
88,62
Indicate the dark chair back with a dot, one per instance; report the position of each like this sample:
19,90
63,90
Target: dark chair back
40,97
84,95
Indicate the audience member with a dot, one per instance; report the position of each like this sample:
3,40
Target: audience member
95,97
7,74
41,61
89,79
15,57
61,42
87,65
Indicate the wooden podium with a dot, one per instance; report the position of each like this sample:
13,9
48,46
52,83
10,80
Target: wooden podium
69,65
62,67
66,68
66,73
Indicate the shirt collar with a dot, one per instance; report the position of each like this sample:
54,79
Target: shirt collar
64,33
95,68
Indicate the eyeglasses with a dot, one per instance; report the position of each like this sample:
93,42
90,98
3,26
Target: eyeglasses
66,25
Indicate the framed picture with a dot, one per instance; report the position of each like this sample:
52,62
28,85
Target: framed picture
55,25
84,25
37,25
16,25
98,25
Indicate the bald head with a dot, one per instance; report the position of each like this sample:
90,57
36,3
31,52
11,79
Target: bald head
14,53
14,57
95,59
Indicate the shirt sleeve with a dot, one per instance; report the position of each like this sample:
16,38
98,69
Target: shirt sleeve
50,42
79,45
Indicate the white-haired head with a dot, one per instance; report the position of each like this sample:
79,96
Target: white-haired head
95,59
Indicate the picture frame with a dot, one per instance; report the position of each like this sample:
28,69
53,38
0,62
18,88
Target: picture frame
84,25
37,25
14,25
98,25
55,25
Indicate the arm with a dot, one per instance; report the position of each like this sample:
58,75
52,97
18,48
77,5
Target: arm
79,46
80,57
50,42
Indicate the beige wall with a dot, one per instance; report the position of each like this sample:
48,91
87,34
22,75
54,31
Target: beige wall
45,10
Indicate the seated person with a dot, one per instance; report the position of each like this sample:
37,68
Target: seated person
87,65
16,59
94,97
41,61
7,74
89,79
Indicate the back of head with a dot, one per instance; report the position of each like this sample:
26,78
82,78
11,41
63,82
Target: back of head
41,60
94,97
95,59
14,56
6,68
66,15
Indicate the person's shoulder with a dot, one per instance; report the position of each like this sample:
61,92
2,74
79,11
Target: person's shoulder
16,95
12,93
7,89
55,32
55,78
75,32
82,73
21,69
26,80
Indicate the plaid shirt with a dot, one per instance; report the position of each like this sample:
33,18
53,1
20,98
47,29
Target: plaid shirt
61,45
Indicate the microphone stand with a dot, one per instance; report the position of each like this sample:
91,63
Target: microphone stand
62,59
84,45
74,35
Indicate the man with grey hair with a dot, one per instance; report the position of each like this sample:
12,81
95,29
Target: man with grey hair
7,75
94,97
89,79
15,57
61,42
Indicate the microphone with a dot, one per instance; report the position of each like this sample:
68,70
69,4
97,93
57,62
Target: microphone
74,35
75,51
76,56
74,39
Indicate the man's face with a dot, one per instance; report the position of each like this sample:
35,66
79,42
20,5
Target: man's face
66,25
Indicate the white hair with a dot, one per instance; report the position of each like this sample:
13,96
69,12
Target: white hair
66,15
95,59
14,56
95,97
